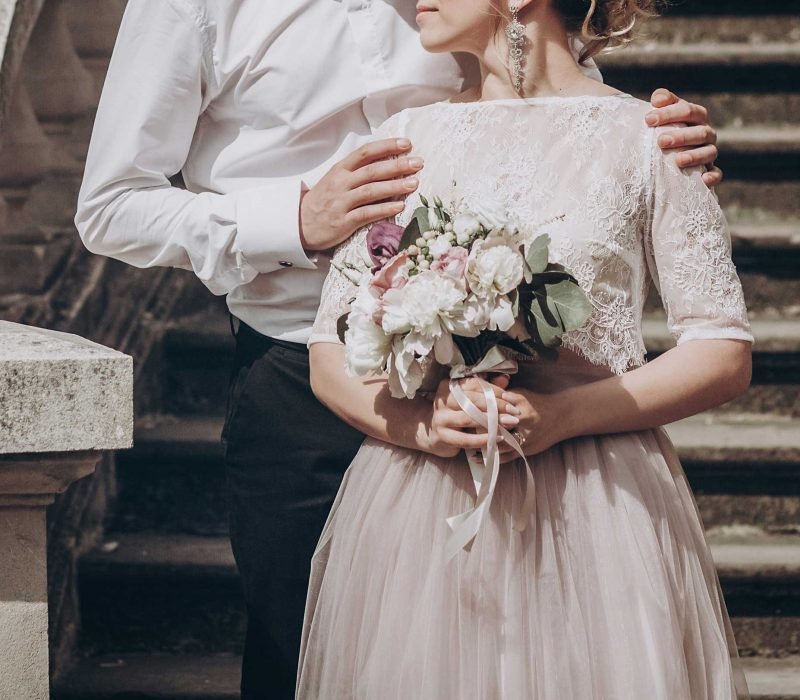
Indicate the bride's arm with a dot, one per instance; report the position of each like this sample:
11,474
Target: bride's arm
366,404
689,379
689,257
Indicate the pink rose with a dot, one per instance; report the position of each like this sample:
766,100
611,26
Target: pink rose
383,241
394,275
453,263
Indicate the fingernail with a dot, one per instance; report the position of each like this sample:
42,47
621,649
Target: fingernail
415,163
411,183
651,119
511,408
399,206
403,144
509,420
684,160
666,141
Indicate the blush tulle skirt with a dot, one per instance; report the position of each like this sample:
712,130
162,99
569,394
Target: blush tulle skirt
610,593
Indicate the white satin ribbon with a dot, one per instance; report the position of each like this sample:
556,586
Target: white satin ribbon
465,526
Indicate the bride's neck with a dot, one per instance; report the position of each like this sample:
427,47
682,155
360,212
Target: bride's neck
549,66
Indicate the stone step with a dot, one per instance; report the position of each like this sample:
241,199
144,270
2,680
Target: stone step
180,594
719,67
726,8
756,29
153,677
760,152
216,677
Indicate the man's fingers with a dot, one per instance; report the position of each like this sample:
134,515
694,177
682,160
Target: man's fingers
379,191
386,170
688,136
376,150
682,112
705,155
663,97
713,177
363,216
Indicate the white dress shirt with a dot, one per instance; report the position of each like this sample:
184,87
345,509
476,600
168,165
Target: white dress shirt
250,100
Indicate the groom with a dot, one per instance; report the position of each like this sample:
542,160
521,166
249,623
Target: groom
266,108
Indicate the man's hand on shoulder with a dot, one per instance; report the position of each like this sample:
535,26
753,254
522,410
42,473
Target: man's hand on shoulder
693,133
357,191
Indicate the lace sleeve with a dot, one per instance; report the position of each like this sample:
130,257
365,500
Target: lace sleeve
689,255
338,290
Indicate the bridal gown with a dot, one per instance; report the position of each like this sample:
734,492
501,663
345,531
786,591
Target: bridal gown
610,592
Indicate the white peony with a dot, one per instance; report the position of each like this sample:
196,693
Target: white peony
367,347
465,226
425,305
495,266
491,213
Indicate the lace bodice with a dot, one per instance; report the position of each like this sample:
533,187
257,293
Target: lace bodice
621,213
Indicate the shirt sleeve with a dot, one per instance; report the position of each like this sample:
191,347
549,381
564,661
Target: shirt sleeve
689,255
154,95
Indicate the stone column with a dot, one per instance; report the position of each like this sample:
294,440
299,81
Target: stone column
63,400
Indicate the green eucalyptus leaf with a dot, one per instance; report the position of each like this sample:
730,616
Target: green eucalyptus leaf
538,253
569,303
421,215
548,328
410,235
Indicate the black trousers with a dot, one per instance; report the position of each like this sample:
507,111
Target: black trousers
285,455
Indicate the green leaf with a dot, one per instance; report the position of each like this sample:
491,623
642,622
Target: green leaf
538,253
548,327
423,200
341,326
421,215
410,235
569,303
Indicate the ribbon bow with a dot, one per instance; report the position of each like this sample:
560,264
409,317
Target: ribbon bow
465,526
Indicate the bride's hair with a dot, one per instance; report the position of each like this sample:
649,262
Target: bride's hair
603,24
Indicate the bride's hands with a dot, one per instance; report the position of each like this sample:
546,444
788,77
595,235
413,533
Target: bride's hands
451,430
543,421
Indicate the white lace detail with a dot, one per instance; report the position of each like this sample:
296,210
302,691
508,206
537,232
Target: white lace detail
620,212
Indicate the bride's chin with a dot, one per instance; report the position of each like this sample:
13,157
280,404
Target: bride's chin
434,44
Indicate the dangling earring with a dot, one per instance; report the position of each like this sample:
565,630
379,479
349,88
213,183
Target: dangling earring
515,32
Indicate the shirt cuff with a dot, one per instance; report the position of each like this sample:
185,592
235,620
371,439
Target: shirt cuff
268,227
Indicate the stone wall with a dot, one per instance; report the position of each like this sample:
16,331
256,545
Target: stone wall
54,57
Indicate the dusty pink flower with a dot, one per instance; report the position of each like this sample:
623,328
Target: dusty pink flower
383,241
453,263
394,275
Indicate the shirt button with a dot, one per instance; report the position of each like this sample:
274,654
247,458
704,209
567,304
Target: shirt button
284,263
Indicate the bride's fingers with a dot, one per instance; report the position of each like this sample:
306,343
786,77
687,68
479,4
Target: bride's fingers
459,419
479,399
466,441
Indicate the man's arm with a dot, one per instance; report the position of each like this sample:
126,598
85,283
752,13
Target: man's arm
146,120
157,87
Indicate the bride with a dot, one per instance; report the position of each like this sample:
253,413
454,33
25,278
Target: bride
610,591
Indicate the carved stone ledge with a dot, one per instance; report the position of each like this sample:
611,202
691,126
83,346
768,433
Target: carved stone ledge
63,400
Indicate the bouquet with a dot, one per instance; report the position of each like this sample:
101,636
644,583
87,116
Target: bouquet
465,287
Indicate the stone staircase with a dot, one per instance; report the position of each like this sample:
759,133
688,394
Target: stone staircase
162,611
